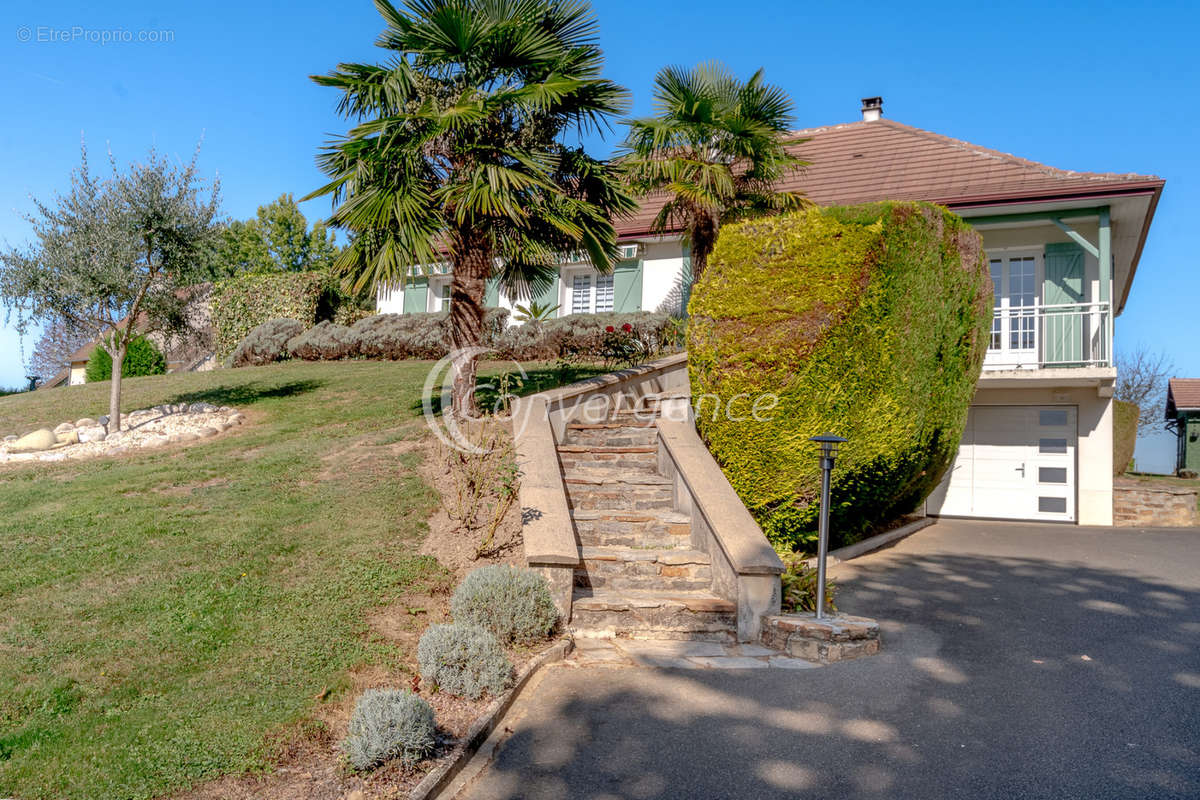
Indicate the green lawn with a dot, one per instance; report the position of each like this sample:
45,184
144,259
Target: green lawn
161,613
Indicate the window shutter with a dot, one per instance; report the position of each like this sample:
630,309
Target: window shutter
416,295
1063,333
627,286
491,294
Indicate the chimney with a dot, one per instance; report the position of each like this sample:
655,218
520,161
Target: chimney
872,108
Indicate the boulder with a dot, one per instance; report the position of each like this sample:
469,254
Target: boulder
94,433
12,437
66,426
41,439
206,432
86,422
68,437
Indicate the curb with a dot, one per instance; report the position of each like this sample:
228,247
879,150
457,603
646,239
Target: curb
875,542
485,723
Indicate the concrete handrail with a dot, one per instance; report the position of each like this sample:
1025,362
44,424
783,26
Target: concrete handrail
556,398
734,530
547,529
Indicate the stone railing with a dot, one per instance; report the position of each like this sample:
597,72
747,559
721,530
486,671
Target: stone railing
745,567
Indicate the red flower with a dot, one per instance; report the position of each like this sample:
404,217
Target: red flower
610,329
627,328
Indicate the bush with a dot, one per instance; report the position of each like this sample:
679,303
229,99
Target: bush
265,344
422,335
1125,430
869,322
635,336
463,660
799,584
142,358
243,303
325,342
514,604
389,723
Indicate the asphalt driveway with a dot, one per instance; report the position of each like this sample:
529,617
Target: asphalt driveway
1018,661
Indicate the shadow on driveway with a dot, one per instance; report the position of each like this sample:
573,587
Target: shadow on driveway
1070,673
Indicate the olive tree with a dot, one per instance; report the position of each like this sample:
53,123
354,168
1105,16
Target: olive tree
113,256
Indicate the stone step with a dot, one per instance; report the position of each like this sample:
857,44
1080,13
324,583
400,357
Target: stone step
611,435
641,568
629,491
636,614
642,459
661,529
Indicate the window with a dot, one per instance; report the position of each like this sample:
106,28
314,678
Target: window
997,267
1052,446
1052,505
604,293
581,294
445,297
1052,417
1022,296
1052,474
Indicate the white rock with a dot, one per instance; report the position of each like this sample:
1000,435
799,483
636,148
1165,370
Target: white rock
66,426
94,433
86,422
206,432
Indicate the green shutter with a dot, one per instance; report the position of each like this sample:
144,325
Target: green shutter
416,293
550,296
1062,330
491,295
627,286
685,284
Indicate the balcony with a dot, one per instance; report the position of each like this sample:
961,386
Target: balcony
1040,336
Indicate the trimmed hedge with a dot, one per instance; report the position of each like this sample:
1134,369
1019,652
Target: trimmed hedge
265,344
326,342
243,303
868,322
1125,431
142,358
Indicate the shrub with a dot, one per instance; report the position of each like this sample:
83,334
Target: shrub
324,342
868,322
399,336
389,723
266,343
243,303
463,660
635,337
142,358
1125,429
514,604
799,584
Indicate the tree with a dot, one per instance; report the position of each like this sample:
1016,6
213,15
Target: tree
1142,380
277,240
459,154
716,146
113,256
57,342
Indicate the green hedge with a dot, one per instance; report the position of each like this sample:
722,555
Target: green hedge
142,358
868,322
243,303
1125,430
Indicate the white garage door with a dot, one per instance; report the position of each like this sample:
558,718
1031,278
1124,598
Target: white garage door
1015,462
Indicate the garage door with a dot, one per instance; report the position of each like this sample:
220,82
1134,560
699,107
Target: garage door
1015,462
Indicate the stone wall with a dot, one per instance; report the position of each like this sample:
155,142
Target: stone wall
1138,504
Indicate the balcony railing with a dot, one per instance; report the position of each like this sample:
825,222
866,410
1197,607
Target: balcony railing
1038,336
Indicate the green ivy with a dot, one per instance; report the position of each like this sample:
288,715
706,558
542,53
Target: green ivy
868,322
142,358
242,303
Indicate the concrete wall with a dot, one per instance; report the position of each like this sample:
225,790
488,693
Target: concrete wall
1093,469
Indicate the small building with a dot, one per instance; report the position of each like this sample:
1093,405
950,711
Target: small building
1183,417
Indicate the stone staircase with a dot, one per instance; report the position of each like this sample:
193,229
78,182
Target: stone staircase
639,576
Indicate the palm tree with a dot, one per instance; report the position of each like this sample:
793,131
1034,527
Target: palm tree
716,147
458,154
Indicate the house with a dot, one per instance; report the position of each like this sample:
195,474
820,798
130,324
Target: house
1062,246
1183,417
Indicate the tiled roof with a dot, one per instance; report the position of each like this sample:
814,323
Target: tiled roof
1182,393
861,162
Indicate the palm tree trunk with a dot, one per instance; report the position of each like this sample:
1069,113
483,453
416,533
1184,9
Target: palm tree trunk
472,267
704,238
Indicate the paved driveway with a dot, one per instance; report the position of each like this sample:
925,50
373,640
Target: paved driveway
1019,661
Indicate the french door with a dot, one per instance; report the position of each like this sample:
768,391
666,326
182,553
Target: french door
1015,281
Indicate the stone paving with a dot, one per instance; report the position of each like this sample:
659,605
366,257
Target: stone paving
679,654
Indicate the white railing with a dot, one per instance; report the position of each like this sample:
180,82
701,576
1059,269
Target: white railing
1037,336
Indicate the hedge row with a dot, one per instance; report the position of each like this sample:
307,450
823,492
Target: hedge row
242,303
428,336
868,322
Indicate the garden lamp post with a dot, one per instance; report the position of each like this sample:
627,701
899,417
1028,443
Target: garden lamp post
829,447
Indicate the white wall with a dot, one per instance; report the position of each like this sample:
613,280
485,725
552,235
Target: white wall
662,276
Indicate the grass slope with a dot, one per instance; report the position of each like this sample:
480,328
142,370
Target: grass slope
160,614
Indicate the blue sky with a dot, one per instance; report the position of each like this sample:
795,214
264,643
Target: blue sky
1081,85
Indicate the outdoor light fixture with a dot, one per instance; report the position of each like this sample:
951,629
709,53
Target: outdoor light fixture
829,448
